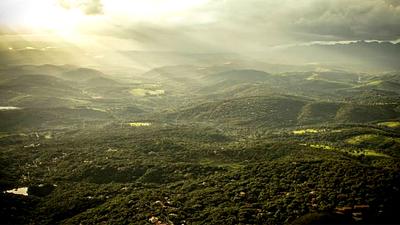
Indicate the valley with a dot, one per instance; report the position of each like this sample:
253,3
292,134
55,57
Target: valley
185,144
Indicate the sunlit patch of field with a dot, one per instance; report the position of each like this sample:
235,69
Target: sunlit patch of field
6,108
373,139
19,97
3,135
368,152
326,147
374,83
151,86
141,92
156,92
18,191
314,76
299,132
364,152
139,124
98,109
78,101
391,124
138,92
356,140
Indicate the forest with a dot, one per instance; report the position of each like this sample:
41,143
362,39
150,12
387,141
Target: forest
261,148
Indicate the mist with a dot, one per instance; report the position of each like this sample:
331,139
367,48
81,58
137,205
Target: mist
267,31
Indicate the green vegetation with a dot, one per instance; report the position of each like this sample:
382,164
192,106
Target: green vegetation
372,139
326,147
224,146
391,124
373,153
139,124
307,131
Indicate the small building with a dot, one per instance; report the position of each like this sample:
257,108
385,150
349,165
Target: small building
344,210
361,207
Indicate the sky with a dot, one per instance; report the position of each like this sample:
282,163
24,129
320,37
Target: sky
199,25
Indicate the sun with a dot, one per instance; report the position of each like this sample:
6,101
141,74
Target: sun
82,22
49,16
42,17
67,16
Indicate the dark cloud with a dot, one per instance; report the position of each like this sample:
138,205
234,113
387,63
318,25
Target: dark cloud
257,24
355,19
338,19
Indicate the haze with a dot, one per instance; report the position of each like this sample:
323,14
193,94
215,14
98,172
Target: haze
253,28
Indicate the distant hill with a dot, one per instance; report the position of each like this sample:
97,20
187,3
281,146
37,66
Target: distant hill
37,56
55,86
385,82
45,69
278,111
38,85
230,80
177,74
321,85
35,118
360,55
264,110
239,76
366,113
81,74
318,112
31,101
332,112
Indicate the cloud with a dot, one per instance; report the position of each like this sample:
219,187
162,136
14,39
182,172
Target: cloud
258,24
394,3
89,7
93,7
314,19
355,19
231,25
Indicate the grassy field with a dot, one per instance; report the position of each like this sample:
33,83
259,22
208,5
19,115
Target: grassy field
391,124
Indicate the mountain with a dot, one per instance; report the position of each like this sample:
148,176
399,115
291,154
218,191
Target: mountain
264,148
263,110
318,112
16,86
280,111
239,76
81,74
359,55
366,113
25,119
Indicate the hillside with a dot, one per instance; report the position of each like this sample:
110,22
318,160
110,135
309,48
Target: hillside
178,145
267,111
286,111
239,76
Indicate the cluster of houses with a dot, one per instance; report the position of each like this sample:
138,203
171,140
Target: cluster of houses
357,212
